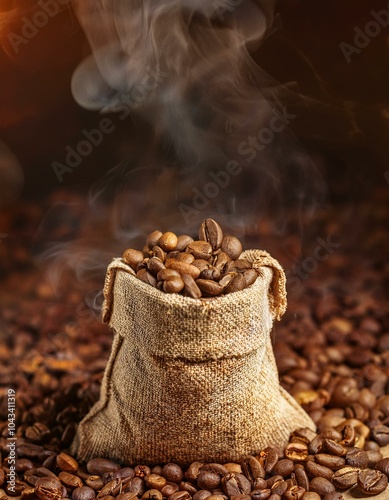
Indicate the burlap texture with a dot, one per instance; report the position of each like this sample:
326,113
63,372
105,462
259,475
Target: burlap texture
190,379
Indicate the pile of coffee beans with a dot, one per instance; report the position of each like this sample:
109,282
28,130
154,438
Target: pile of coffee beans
208,267
331,348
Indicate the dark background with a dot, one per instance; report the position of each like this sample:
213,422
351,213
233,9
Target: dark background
39,117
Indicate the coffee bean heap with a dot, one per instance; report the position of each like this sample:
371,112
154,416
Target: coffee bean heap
208,267
332,353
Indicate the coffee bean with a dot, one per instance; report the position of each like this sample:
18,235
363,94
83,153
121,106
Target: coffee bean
301,476
260,494
237,283
210,274
157,252
38,432
279,487
188,486
316,445
183,268
372,482
283,468
168,241
268,459
334,495
66,463
211,232
232,247
321,486
250,276
173,285
187,258
200,249
48,488
111,488
297,452
27,494
380,433
331,461
209,287
357,458
98,466
311,495
70,480
172,472
208,480
202,495
346,477
383,466
334,448
242,496
294,493
182,242
95,482
155,481
152,495
180,495
133,257
193,471
252,468
128,495
29,450
136,485
147,277
316,470
152,238
23,464
154,265
373,458
83,493
233,468
170,488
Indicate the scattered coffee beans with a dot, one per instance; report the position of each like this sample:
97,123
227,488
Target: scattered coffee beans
208,267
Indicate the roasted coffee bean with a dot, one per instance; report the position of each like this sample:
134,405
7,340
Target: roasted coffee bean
383,466
321,485
294,493
210,274
95,482
152,495
331,461
316,445
207,480
66,463
200,249
128,495
373,458
202,495
279,487
168,241
187,258
170,488
237,283
301,476
357,458
232,247
193,471
23,464
29,450
173,285
211,232
311,495
209,287
133,257
220,261
250,276
157,252
183,241
316,470
28,493
172,472
297,452
380,433
188,486
334,448
154,265
111,488
70,480
147,277
201,264
38,432
252,468
260,494
274,496
372,482
180,495
190,287
283,468
183,268
348,435
268,459
152,238
83,493
233,468
98,466
48,488
155,481
136,485
346,477
165,274
241,497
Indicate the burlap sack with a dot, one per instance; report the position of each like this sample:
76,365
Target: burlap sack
190,379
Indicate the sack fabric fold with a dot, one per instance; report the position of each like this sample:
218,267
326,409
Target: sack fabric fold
190,379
